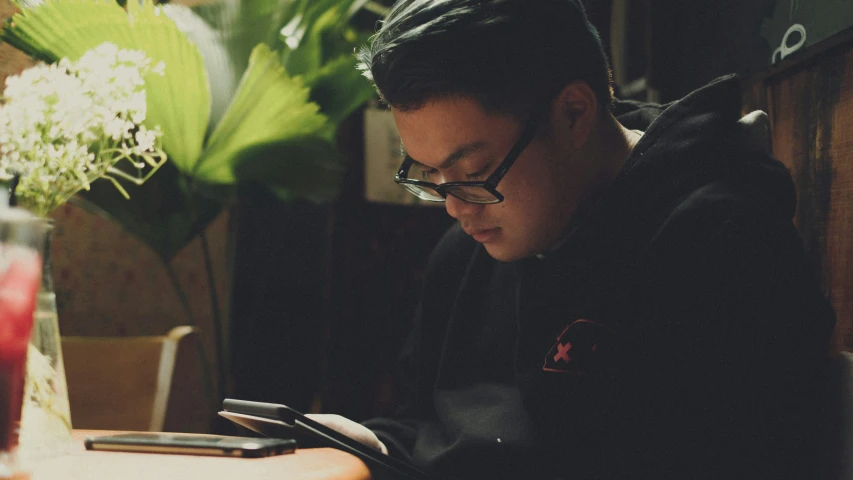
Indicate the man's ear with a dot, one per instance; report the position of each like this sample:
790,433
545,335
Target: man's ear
575,111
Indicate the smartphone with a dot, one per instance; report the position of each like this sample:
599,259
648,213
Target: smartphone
192,444
276,420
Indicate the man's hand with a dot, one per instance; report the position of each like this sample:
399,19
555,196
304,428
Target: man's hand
349,428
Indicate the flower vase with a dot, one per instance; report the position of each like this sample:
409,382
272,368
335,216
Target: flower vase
46,417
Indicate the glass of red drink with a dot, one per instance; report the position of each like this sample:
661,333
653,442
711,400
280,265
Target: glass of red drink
21,239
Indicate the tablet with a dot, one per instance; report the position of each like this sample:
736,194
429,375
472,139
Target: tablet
280,421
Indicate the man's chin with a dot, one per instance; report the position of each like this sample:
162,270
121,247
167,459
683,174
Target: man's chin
504,253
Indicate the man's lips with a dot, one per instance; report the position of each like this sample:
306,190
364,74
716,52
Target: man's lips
484,235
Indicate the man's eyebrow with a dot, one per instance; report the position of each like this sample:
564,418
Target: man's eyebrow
458,154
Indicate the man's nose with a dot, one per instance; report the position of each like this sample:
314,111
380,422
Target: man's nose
457,208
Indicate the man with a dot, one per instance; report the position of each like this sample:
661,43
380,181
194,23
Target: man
624,295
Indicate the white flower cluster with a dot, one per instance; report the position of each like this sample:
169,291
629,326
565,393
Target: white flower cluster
62,126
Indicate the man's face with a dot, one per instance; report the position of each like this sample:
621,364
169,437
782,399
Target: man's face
541,190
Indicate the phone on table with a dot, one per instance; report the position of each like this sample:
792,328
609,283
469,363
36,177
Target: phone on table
192,444
276,420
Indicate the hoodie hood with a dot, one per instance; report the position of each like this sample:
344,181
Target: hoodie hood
695,154
697,141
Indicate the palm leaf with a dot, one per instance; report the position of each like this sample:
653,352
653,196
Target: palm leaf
244,24
164,212
304,167
304,40
269,106
339,88
179,101
308,35
221,74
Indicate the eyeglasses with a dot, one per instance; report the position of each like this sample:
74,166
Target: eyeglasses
473,192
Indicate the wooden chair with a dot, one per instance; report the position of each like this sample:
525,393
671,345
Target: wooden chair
121,383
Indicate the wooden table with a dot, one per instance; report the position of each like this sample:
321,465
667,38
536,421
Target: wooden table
308,464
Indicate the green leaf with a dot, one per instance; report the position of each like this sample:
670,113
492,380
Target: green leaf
323,35
179,101
268,106
306,167
244,24
305,52
339,88
165,212
221,74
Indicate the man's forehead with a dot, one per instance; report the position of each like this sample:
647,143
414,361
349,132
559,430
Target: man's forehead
442,132
459,153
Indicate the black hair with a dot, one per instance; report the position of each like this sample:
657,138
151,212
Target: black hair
509,55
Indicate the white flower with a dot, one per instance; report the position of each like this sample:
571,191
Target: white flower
63,126
145,139
134,57
114,129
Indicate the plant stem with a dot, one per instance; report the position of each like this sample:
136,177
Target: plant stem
217,316
211,394
182,296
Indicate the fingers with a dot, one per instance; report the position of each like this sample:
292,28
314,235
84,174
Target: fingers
349,428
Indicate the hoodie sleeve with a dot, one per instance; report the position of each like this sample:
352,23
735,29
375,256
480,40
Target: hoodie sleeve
732,350
400,432
419,358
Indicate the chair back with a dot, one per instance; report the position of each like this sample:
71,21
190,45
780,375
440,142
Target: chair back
121,383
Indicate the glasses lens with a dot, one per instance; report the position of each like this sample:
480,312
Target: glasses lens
473,194
424,193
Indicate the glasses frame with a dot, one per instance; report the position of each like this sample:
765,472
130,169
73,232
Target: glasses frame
490,184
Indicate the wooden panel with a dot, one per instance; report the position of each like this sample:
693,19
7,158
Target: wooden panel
811,110
109,384
121,382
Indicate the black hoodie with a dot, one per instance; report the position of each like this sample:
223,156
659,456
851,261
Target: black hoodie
676,333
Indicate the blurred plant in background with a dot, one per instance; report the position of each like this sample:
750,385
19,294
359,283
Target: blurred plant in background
253,92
